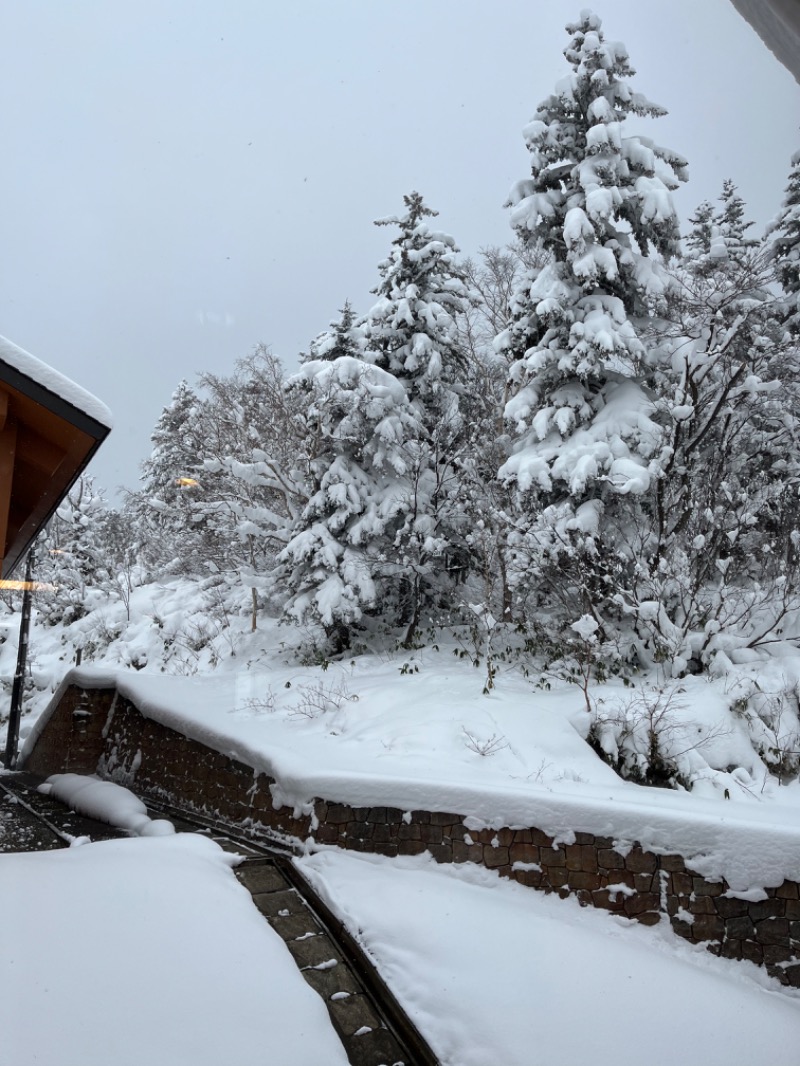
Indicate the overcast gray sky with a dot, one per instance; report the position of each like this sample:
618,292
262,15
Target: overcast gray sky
182,179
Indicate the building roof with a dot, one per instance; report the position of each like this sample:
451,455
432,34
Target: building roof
49,430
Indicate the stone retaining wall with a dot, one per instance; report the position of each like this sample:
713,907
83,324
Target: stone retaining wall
98,731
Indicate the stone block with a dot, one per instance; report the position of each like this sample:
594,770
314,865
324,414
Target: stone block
768,908
701,887
728,907
557,877
573,857
353,1013
708,927
740,928
440,852
466,852
493,857
522,836
524,853
553,856
680,884
584,839
792,909
638,861
608,859
431,834
773,931
410,847
409,832
788,890
529,878
602,899
673,864
541,839
753,952
340,813
313,952
648,918
641,902
731,949
776,953
443,818
584,879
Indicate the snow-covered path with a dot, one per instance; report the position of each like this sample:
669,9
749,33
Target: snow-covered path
494,973
147,951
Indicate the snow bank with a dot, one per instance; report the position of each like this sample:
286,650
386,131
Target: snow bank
460,947
107,802
414,744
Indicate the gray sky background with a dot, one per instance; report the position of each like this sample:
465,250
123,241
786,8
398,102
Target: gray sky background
182,179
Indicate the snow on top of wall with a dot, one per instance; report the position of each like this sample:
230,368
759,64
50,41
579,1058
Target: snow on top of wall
752,846
54,382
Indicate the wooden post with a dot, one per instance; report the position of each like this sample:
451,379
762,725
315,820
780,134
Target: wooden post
8,448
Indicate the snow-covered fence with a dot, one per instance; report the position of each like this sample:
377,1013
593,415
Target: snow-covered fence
96,730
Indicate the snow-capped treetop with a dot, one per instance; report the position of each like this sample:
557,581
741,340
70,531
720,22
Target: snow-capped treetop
344,337
597,197
411,331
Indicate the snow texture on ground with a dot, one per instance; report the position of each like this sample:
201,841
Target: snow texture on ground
363,734
494,973
148,951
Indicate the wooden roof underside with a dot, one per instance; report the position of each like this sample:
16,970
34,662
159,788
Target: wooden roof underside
45,443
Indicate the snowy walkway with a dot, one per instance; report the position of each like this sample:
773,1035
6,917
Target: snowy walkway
367,1020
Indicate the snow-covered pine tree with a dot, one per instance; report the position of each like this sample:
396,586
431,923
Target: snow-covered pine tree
344,336
587,447
785,246
412,333
362,436
163,509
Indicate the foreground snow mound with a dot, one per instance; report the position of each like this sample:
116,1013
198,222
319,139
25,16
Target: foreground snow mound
494,973
148,951
107,802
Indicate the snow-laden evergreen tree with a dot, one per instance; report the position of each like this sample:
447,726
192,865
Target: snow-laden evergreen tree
721,233
383,530
344,336
363,435
587,446
412,333
785,246
163,509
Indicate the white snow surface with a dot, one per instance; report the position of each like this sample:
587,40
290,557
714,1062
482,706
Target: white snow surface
365,734
107,802
54,382
494,973
148,951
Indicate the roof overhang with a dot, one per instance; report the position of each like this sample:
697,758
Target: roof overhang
49,430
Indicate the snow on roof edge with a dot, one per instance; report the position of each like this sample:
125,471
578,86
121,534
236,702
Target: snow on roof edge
55,382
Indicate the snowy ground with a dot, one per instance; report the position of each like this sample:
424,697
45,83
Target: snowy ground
494,973
147,951
489,970
415,730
